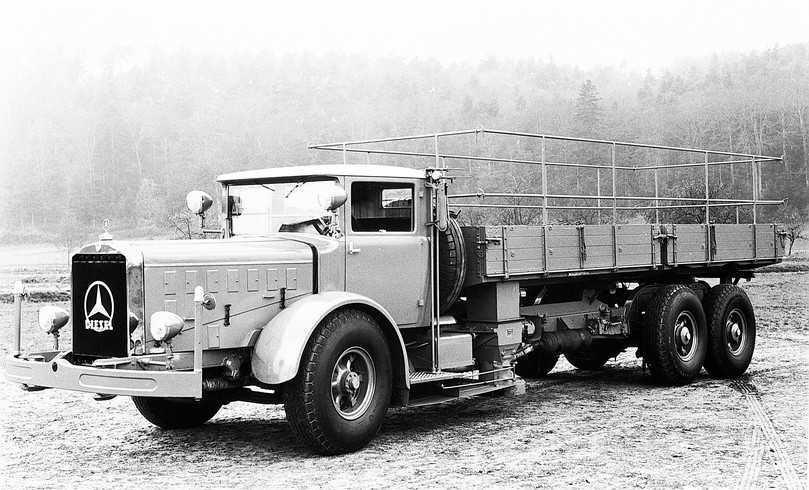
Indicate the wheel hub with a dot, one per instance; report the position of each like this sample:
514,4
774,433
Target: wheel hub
353,382
685,341
685,336
736,331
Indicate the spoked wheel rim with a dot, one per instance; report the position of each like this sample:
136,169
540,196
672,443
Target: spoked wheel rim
353,381
736,331
686,338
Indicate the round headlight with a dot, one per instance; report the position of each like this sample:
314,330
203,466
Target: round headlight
164,325
52,318
198,202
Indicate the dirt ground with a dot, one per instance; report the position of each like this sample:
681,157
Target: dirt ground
611,428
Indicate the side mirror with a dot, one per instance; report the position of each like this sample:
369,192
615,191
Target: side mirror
198,202
235,205
332,197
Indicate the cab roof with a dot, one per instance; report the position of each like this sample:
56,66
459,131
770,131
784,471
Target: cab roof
341,170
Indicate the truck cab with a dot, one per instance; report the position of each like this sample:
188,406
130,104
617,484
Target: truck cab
381,226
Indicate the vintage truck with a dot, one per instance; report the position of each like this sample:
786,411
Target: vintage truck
341,290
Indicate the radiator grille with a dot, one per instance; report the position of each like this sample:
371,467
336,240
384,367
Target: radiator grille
100,316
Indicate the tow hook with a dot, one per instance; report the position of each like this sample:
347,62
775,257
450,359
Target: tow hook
101,397
29,388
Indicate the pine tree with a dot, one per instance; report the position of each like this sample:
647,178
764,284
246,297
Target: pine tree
588,116
587,123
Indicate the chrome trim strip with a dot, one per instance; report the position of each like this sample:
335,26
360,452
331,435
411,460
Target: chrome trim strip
229,264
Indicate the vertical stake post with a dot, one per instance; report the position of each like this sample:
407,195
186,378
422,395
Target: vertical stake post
657,199
707,196
754,165
598,193
544,184
614,193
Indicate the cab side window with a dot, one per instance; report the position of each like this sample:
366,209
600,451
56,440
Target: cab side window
381,207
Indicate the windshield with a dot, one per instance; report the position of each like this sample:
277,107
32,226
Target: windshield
259,209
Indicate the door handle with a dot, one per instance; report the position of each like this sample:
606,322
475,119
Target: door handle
352,250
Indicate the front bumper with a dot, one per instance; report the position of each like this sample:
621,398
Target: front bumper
52,370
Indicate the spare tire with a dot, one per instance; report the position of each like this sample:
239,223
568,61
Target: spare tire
451,264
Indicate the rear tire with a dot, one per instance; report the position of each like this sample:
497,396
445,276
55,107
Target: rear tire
168,413
732,326
589,360
677,335
701,289
536,364
337,401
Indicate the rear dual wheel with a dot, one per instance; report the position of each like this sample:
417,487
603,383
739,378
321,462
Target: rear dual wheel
732,326
591,359
677,335
536,364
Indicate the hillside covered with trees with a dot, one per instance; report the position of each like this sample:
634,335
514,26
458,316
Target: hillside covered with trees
126,140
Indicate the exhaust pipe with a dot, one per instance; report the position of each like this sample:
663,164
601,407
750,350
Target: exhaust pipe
564,341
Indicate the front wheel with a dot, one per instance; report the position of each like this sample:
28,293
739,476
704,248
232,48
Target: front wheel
337,401
677,335
732,326
168,413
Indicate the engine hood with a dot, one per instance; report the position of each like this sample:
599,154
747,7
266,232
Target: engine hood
250,279
220,252
282,248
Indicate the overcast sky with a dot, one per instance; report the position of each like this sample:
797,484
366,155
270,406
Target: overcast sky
634,34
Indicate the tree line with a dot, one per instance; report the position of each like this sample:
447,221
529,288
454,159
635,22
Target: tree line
125,140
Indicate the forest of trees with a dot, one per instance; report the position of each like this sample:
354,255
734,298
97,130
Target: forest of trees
126,140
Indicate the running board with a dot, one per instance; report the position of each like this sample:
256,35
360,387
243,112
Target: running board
418,377
506,386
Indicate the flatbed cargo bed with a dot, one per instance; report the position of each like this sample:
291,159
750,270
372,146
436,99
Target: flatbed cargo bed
708,229
497,253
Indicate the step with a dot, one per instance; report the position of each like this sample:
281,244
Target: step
507,386
418,377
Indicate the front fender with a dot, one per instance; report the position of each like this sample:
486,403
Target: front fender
278,351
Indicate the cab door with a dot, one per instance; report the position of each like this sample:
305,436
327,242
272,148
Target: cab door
387,251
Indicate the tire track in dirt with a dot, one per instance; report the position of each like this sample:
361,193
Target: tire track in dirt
763,434
770,439
753,461
773,369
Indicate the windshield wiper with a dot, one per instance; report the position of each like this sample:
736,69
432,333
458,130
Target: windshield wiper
267,187
293,189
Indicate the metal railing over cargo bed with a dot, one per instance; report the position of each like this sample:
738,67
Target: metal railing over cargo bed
598,202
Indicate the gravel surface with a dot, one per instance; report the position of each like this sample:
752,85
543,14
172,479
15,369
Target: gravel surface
605,429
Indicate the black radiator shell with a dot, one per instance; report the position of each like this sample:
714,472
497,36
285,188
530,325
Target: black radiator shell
106,334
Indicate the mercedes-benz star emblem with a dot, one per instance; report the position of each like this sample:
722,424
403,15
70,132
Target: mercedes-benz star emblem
99,307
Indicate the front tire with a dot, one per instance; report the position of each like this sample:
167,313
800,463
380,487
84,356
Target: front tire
168,413
337,401
732,325
677,335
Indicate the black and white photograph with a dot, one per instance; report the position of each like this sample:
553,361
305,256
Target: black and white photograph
458,244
